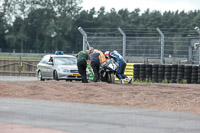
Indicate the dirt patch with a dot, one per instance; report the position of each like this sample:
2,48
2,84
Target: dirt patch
171,97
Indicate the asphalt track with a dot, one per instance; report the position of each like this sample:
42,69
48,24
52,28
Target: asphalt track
17,78
87,118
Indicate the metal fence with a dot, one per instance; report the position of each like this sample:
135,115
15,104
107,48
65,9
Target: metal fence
181,50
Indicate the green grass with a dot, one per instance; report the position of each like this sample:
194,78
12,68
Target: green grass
163,82
17,57
143,82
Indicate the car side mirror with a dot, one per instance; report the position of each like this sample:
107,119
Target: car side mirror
50,63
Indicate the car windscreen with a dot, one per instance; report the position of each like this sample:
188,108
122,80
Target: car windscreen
65,61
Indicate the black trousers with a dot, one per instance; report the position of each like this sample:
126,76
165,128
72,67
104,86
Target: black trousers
95,67
82,66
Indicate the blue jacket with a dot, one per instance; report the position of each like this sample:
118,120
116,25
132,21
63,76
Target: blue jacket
94,57
116,56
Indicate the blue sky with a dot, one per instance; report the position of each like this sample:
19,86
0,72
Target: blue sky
160,5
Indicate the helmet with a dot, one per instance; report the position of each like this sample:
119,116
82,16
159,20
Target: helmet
107,54
115,51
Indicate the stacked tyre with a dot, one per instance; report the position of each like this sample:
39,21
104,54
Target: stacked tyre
155,73
174,73
161,73
187,73
136,72
194,75
142,74
167,76
198,74
148,71
180,73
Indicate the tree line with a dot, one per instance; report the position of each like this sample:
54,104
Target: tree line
48,25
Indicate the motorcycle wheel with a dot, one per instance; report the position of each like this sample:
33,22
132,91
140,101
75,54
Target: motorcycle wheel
111,78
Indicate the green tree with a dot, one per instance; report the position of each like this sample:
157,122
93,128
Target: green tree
3,31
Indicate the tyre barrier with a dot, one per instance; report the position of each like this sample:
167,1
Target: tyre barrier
168,69
175,73
198,75
194,75
142,72
161,73
187,73
155,73
136,71
180,73
148,72
158,73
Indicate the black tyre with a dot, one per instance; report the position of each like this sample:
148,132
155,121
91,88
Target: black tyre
188,67
39,75
55,76
111,78
148,65
154,72
174,69
148,73
180,66
173,77
155,66
174,81
194,81
136,69
148,70
136,66
180,73
142,73
154,80
148,76
142,67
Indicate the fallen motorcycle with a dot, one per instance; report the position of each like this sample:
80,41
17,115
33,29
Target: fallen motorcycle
108,70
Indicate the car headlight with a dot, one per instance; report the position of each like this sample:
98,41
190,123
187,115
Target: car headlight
64,70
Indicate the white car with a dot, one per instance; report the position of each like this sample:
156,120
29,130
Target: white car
58,66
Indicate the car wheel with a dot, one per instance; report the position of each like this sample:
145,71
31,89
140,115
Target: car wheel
40,76
55,76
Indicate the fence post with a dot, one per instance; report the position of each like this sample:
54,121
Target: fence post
85,42
162,45
124,42
190,54
198,31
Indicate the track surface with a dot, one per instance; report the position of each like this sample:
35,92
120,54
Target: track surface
86,118
60,110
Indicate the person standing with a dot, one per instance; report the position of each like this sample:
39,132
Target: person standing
121,67
97,58
82,59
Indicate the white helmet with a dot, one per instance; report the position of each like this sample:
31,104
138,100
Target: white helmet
107,54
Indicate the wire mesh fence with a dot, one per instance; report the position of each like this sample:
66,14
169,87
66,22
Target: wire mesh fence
146,45
106,43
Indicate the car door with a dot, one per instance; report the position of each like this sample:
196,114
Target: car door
50,68
43,66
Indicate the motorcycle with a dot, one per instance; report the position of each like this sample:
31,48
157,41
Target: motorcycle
108,70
